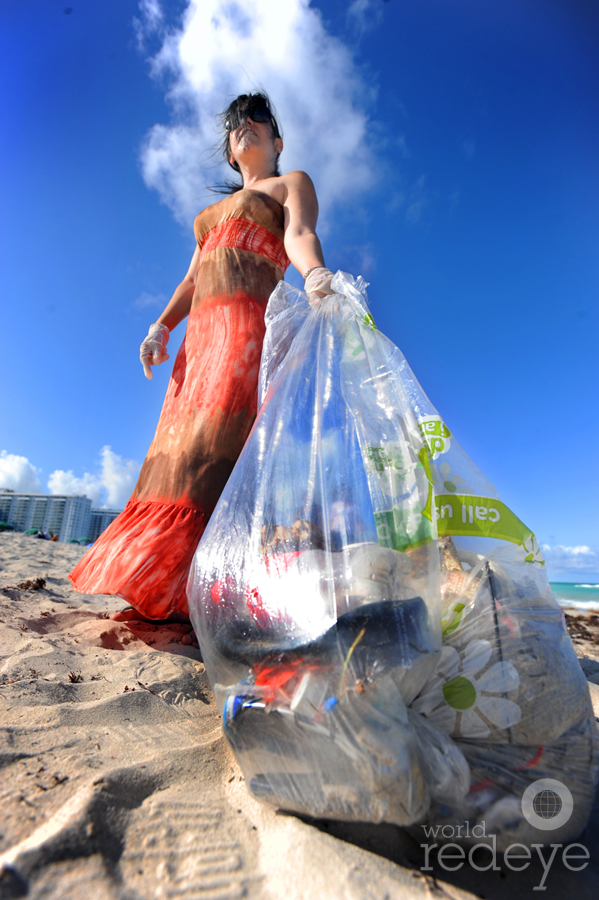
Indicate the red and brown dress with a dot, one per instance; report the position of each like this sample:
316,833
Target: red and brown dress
145,554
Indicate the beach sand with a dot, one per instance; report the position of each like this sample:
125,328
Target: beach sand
117,784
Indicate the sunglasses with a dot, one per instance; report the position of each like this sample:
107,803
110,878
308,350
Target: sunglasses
258,112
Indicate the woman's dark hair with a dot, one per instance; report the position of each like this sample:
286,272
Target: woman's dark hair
236,113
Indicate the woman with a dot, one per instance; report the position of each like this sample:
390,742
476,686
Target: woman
244,245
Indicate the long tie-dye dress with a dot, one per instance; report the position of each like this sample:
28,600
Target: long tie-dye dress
145,554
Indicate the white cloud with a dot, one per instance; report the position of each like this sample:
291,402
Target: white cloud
118,477
149,301
223,49
365,14
111,487
17,473
359,257
571,559
61,482
150,21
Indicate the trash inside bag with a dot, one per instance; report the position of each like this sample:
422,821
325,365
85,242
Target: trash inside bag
377,625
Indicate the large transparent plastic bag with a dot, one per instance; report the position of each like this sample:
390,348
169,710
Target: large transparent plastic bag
377,625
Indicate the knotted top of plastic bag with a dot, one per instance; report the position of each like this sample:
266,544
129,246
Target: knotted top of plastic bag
287,310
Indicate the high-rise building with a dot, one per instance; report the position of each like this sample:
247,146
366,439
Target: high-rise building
68,516
99,520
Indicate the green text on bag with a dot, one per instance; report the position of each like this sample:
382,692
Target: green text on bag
467,515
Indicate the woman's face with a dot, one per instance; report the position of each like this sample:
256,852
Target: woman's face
254,142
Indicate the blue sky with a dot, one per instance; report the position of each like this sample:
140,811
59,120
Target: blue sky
454,147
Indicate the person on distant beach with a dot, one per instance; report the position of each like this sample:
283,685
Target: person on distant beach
244,244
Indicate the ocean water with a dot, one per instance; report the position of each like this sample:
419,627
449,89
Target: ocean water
577,595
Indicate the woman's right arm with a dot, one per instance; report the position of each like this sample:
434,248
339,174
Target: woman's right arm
153,350
180,303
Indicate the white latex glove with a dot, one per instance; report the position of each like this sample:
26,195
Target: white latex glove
153,350
318,284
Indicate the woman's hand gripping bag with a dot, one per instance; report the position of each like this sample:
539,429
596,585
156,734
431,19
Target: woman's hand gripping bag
315,588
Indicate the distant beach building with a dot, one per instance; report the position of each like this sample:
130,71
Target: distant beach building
68,516
99,520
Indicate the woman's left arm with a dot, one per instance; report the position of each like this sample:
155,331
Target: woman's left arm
301,214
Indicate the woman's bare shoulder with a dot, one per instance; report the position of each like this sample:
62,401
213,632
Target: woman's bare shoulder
297,181
280,187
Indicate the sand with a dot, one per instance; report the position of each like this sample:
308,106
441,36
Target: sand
116,781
